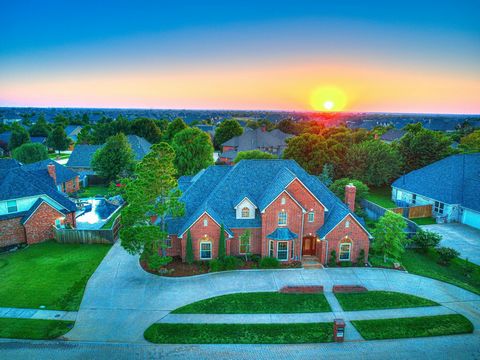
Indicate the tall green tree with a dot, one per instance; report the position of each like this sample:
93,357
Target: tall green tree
374,162
390,237
420,147
173,128
253,154
40,128
30,152
289,126
221,244
85,135
19,137
471,142
309,150
194,151
189,250
152,191
225,131
114,159
146,128
58,139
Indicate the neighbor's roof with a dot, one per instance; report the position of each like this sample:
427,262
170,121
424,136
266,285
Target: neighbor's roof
393,134
254,139
63,174
453,180
218,189
82,155
9,164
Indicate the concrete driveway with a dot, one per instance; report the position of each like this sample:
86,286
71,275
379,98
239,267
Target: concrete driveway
465,239
121,300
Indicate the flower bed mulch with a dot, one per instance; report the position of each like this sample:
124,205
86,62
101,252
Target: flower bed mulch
301,289
348,289
177,268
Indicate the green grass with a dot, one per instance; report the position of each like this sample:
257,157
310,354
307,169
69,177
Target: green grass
377,261
33,329
239,333
375,300
381,196
93,190
109,223
413,327
424,221
61,156
258,303
426,265
49,274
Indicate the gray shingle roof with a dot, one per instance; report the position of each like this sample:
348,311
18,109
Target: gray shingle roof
82,155
255,139
8,164
63,174
217,190
393,134
453,180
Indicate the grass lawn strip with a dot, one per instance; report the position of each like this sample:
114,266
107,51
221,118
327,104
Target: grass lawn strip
258,303
413,327
299,333
93,190
381,196
49,274
424,221
427,265
377,300
33,328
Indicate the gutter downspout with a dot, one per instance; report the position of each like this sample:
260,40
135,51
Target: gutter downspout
301,233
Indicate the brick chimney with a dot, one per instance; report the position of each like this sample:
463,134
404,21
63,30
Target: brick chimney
350,192
52,172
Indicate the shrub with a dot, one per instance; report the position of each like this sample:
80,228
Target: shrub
446,255
216,265
345,263
361,257
156,261
426,239
255,258
269,263
333,259
231,263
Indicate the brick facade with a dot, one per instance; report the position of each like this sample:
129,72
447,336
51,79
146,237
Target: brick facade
71,186
11,232
39,226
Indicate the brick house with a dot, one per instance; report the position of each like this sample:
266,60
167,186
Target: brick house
31,202
66,180
272,142
290,214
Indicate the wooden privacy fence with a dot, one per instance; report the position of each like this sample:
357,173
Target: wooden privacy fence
98,236
421,211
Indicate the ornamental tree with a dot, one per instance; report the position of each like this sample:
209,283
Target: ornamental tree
390,237
189,250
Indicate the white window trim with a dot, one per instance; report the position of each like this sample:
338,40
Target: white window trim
287,252
286,218
349,251
313,216
200,250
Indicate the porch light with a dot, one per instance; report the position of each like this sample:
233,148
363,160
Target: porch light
318,240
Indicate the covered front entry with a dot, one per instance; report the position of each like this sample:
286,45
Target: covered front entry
309,246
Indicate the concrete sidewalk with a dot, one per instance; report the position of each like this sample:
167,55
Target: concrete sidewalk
304,317
17,313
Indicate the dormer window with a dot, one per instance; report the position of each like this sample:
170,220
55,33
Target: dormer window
205,222
282,218
283,201
245,212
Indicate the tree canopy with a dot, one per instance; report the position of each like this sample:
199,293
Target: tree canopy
40,128
146,128
19,137
309,150
30,152
471,142
173,129
338,188
253,154
194,151
390,238
58,139
225,131
114,159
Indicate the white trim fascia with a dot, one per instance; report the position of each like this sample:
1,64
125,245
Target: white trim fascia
43,201
290,195
211,217
250,201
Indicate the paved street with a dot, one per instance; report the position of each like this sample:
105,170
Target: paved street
465,239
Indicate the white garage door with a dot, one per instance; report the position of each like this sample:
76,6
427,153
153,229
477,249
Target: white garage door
471,218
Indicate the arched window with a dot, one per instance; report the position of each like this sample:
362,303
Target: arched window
245,212
345,249
282,218
205,222
283,201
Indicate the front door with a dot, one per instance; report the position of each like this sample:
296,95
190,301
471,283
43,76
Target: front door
309,245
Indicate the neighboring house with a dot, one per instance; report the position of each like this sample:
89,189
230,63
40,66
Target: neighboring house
30,205
451,186
72,131
392,135
209,129
66,180
272,142
290,214
81,158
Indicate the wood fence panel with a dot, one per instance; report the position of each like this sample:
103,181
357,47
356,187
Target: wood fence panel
397,211
76,236
420,211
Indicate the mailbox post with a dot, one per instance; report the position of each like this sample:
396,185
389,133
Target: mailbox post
338,330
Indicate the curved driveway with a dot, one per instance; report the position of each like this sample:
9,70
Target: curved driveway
121,300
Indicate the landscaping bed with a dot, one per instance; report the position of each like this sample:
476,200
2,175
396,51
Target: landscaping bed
377,300
348,289
239,333
33,329
301,289
413,327
49,274
258,303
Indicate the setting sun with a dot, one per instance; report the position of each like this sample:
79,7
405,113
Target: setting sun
328,98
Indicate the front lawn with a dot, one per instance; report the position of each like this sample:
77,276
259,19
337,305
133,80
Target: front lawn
381,196
93,190
413,327
258,303
375,300
239,333
457,273
50,274
33,328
